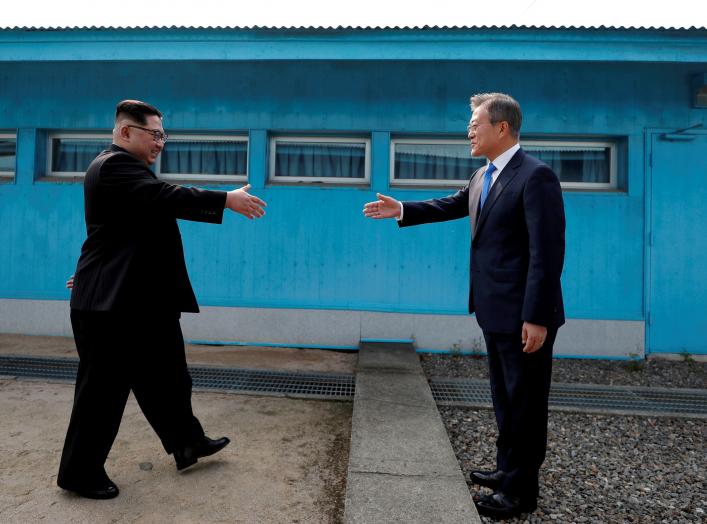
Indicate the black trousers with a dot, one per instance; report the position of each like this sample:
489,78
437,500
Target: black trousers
119,353
520,386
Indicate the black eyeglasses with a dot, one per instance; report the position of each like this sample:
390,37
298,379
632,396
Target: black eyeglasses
156,135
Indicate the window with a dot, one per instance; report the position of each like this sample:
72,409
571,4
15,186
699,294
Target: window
8,155
184,157
320,159
201,157
432,162
579,165
71,153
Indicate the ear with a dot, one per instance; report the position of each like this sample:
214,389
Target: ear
124,132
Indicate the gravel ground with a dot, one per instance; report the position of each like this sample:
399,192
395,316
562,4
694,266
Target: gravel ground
650,373
601,469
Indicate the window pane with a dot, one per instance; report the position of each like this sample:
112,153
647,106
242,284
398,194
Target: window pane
204,157
589,164
434,162
320,159
7,155
73,155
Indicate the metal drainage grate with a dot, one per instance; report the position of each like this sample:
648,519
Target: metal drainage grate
306,385
583,397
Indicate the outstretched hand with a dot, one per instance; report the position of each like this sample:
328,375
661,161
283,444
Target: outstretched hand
384,207
240,201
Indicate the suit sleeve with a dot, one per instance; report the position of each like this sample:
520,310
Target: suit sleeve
130,184
451,207
545,220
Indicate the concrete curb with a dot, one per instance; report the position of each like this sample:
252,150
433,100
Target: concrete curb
401,465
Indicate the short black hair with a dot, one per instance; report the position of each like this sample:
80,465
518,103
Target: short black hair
137,110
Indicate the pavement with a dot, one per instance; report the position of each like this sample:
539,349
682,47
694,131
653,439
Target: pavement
286,464
385,458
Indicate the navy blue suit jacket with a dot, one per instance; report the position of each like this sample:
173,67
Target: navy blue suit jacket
518,244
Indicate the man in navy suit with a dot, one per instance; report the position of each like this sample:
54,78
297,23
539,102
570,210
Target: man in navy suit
517,253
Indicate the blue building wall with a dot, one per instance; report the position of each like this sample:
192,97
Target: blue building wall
314,249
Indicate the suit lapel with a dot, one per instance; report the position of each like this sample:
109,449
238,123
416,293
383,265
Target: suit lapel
508,173
476,184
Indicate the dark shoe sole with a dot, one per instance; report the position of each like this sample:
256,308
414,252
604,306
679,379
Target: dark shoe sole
499,514
95,494
186,464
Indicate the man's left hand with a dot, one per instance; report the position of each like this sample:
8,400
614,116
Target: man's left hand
533,336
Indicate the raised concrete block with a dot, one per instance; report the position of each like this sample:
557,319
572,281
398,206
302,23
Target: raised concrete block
401,465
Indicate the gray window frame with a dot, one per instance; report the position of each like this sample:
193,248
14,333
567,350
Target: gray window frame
71,135
9,175
308,139
199,177
186,177
398,182
566,143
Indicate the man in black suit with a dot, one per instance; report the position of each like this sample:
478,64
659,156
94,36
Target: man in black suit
517,253
129,289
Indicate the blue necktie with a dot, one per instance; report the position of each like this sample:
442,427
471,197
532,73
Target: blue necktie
487,184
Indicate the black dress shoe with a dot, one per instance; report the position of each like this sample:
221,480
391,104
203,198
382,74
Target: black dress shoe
107,490
204,447
488,479
500,506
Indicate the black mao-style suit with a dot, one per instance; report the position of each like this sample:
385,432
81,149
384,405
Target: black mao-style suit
130,287
517,254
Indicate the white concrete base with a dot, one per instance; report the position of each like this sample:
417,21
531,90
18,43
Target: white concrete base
340,328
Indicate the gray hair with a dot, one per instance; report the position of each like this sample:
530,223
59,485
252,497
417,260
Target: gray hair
501,108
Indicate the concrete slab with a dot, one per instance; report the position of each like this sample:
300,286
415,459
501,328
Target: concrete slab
382,499
401,464
403,389
388,438
388,357
286,463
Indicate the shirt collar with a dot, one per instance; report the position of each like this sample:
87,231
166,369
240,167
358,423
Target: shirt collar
502,160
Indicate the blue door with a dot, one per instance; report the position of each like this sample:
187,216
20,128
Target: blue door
677,307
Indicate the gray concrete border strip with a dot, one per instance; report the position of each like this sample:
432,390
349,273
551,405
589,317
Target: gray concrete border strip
401,464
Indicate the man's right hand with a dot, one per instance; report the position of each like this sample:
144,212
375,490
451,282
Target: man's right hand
242,202
384,207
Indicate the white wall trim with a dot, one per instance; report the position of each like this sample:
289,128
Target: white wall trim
339,328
